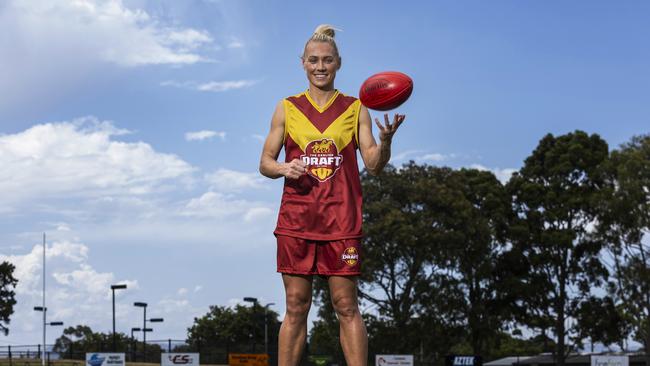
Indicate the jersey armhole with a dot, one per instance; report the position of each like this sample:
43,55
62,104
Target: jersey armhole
286,121
356,122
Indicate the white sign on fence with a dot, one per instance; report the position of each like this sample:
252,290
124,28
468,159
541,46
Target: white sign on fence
394,360
610,360
105,359
175,359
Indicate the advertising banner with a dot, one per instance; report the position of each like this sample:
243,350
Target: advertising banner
248,359
463,360
105,359
394,360
609,360
175,359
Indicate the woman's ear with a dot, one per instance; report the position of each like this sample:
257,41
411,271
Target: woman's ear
340,63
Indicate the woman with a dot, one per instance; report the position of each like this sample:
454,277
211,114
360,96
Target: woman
319,223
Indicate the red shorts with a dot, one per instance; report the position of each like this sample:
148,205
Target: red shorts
309,257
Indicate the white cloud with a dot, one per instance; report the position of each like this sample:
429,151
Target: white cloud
225,180
105,30
421,155
211,86
76,292
182,291
204,135
236,44
434,157
256,213
219,205
57,45
198,288
502,175
260,138
81,159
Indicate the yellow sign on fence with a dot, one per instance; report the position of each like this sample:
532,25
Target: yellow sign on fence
248,359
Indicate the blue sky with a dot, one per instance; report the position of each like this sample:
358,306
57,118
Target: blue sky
130,131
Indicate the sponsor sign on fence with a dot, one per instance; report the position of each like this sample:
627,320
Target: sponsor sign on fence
610,360
105,359
463,360
176,359
394,360
248,359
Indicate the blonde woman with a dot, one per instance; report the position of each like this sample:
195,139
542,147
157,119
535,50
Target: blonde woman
319,223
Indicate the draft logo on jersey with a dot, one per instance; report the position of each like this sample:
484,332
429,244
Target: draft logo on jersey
322,159
350,256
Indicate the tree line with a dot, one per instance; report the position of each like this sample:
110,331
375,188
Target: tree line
554,260
457,262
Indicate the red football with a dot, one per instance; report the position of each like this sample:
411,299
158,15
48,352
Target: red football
386,90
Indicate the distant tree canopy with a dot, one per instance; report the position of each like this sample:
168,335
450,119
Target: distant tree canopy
76,341
7,295
238,328
456,262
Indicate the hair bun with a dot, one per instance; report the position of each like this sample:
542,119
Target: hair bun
326,30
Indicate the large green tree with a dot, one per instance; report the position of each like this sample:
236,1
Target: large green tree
480,221
233,329
558,195
409,238
7,295
626,225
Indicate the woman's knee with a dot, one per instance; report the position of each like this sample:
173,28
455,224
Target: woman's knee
298,305
346,307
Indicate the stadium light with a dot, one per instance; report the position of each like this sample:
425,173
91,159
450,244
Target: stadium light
254,301
266,327
143,305
113,288
55,323
133,343
144,328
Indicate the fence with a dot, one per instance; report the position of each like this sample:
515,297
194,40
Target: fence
135,351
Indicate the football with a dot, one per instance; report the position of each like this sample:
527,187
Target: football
386,90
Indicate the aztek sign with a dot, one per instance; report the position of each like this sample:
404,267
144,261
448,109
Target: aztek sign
179,359
463,360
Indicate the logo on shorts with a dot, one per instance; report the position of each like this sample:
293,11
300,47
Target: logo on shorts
350,256
322,158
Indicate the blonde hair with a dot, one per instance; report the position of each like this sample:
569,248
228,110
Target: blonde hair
324,33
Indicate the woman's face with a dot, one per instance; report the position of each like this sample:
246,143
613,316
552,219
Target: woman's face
321,63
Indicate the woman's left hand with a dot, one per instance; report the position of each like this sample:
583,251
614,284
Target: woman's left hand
387,130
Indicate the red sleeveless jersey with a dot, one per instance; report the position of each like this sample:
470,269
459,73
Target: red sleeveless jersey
325,203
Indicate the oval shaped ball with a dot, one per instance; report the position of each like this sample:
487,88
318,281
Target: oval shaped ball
386,90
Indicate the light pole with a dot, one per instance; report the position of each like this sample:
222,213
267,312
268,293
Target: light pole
44,310
113,288
254,301
266,327
133,343
144,327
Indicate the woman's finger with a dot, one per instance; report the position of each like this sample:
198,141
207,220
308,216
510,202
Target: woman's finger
381,128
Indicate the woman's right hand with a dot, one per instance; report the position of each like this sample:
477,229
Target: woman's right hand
294,169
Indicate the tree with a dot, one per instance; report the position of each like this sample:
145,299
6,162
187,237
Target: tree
224,328
7,294
409,237
480,221
625,224
76,341
558,194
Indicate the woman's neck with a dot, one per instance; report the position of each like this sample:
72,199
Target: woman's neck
321,96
